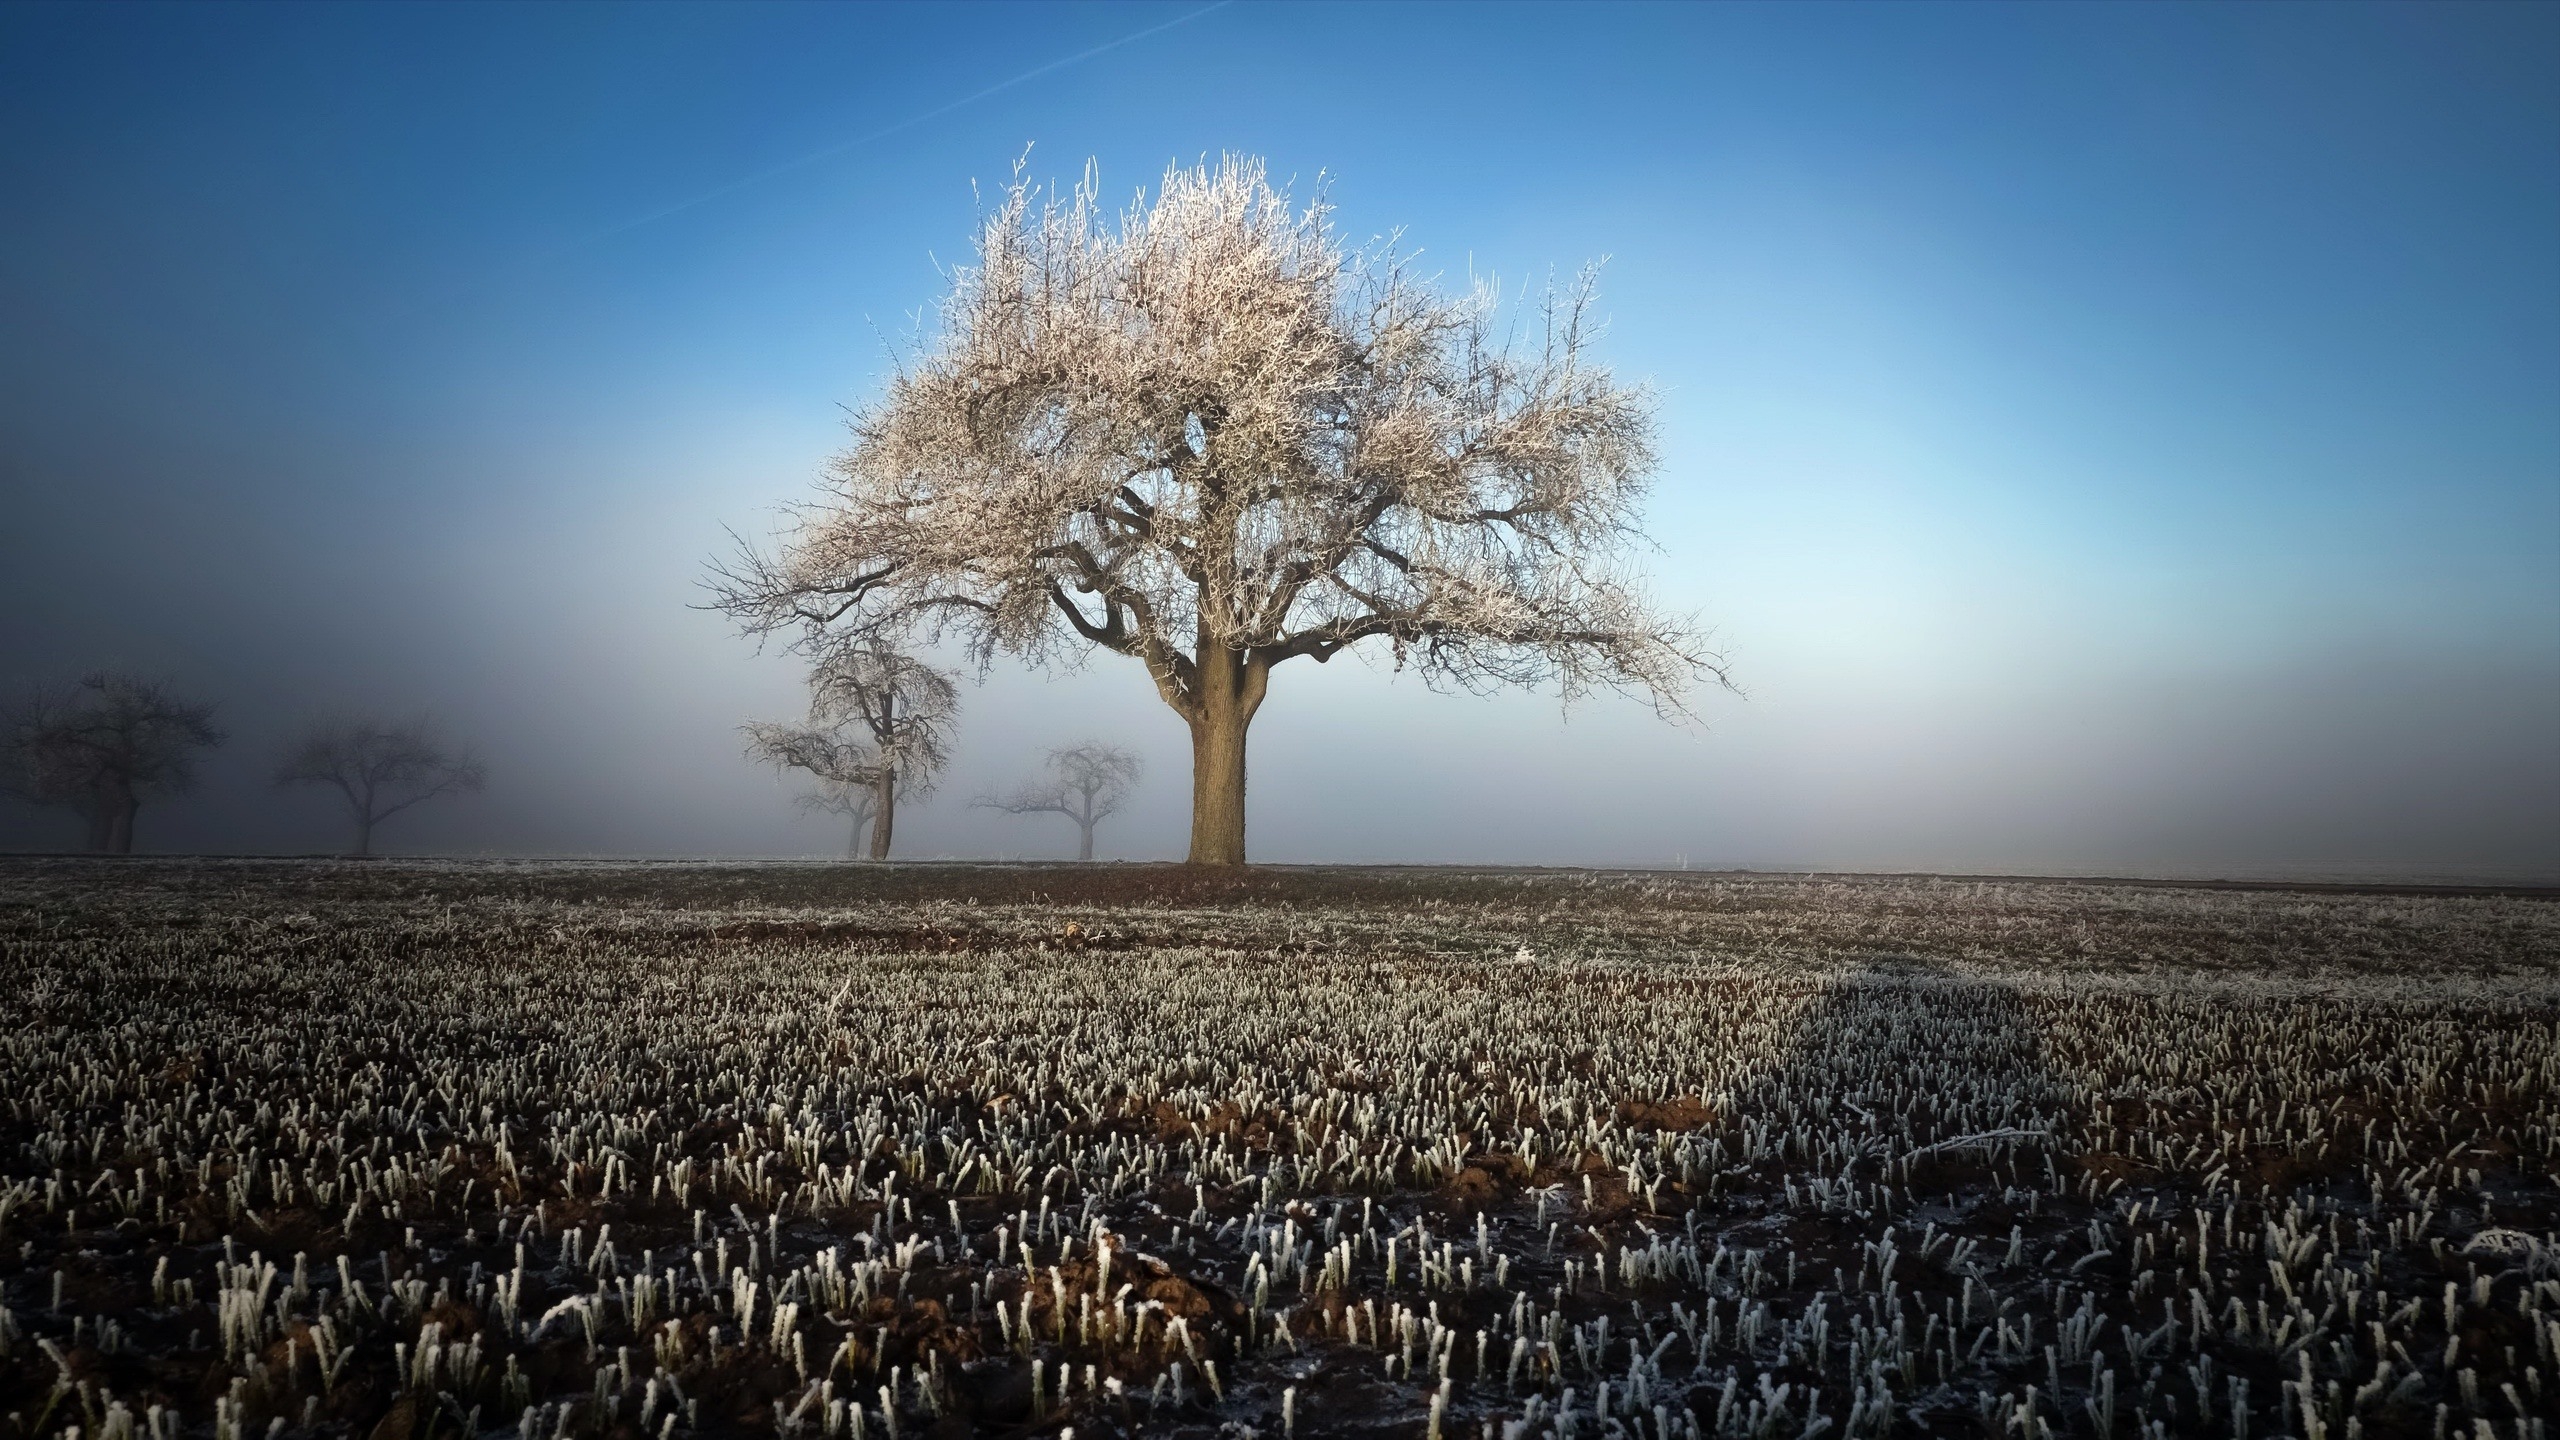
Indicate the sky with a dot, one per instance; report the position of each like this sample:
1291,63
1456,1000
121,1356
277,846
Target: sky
2105,439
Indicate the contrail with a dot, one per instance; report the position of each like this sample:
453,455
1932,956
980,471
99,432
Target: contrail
909,123
840,147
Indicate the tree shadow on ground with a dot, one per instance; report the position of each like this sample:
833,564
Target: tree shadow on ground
1916,1169
1913,1053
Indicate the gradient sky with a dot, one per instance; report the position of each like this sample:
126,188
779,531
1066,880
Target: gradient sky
2105,438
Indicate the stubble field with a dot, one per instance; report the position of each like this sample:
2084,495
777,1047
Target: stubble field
403,1150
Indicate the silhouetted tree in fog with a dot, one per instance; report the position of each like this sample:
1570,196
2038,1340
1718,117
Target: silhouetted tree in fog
378,768
856,803
1212,438
1088,783
100,746
879,720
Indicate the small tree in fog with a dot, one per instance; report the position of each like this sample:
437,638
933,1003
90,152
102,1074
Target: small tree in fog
856,803
378,768
1211,437
1087,784
879,720
102,745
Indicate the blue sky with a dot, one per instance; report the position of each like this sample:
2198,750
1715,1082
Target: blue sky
2105,437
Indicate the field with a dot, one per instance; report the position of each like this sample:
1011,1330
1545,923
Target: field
404,1150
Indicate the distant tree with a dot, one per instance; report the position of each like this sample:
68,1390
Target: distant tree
856,803
100,746
379,768
1087,784
1212,438
878,719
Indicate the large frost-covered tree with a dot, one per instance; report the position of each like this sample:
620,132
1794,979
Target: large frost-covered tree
879,721
1210,436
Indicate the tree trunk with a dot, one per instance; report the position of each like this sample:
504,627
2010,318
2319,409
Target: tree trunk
364,834
853,839
884,813
122,840
102,824
1230,690
1084,850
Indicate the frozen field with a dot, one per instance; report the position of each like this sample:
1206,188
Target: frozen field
407,1149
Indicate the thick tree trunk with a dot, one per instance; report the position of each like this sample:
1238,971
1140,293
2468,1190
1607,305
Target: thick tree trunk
1217,790
1230,690
884,813
1084,850
364,835
121,842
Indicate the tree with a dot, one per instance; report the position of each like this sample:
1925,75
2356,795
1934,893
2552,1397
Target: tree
1214,439
844,764
856,803
1087,785
379,768
103,744
879,720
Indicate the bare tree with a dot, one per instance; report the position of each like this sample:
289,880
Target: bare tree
879,720
856,803
379,768
1214,439
843,763
1087,784
100,746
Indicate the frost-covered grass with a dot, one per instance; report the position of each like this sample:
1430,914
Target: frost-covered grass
565,1149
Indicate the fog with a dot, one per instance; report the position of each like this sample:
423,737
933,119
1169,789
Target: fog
2103,442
